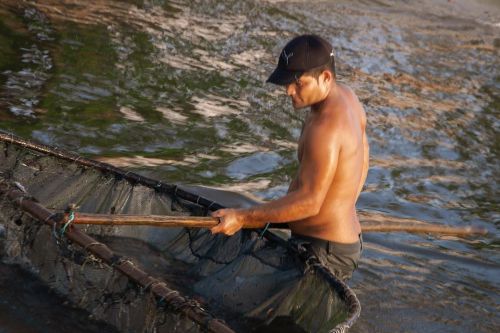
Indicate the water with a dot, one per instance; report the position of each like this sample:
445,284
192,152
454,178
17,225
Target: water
175,90
27,306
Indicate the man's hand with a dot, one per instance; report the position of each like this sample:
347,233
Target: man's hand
231,221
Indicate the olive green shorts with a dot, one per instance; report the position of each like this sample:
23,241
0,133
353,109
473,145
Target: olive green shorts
341,259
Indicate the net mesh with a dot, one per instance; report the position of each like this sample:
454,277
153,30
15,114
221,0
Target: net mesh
253,283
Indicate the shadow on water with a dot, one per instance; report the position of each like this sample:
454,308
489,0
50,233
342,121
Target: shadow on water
26,305
175,91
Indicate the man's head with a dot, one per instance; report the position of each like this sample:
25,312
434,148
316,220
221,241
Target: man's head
306,67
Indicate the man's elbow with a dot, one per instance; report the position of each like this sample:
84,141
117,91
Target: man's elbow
313,206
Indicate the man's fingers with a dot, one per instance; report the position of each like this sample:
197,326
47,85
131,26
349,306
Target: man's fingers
219,227
215,230
226,222
218,213
222,228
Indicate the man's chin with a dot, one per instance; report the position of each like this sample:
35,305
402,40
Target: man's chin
298,106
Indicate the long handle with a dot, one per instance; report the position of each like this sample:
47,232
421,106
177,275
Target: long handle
151,220
208,222
426,228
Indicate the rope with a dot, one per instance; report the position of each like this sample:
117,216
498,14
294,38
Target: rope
50,217
19,200
70,220
92,244
20,187
158,283
91,258
117,260
54,233
147,285
264,231
342,328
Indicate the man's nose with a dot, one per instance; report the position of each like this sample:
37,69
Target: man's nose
290,89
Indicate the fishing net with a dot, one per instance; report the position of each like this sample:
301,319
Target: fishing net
252,283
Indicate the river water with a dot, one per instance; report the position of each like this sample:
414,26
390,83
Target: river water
175,90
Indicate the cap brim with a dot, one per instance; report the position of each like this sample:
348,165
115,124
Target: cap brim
282,77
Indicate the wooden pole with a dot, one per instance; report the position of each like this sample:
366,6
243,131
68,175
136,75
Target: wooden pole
208,222
156,286
424,228
149,220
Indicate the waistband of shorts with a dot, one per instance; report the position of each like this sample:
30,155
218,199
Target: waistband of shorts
338,247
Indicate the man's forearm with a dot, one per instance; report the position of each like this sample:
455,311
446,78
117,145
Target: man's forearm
294,206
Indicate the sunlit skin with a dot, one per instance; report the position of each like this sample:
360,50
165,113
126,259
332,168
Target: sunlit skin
333,164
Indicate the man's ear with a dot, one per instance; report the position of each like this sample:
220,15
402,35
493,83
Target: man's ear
327,77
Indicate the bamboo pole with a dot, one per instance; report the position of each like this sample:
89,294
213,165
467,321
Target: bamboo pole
208,222
157,287
425,228
149,220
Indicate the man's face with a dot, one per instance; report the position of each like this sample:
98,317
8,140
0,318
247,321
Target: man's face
306,91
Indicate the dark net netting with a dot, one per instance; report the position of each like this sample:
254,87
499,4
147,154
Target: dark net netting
249,282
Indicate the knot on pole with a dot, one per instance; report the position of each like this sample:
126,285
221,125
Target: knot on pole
70,211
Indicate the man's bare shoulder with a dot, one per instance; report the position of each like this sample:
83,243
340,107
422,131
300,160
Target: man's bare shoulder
336,114
324,125
354,104
323,130
348,91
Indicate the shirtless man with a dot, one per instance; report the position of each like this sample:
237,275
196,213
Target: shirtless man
333,155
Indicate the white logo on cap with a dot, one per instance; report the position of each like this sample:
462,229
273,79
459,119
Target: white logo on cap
287,56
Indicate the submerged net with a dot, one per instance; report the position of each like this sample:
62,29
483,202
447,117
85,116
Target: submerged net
253,283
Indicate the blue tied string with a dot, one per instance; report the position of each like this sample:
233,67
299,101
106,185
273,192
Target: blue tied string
264,231
70,220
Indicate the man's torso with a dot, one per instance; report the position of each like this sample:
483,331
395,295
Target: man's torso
337,220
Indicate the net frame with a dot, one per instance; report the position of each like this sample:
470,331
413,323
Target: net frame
352,302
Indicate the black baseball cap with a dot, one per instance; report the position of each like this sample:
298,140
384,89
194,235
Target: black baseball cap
301,54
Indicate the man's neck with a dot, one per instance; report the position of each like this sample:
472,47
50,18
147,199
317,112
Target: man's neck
331,95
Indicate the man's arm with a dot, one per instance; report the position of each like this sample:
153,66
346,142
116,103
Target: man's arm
316,173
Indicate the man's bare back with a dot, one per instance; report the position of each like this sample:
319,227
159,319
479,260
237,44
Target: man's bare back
343,114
